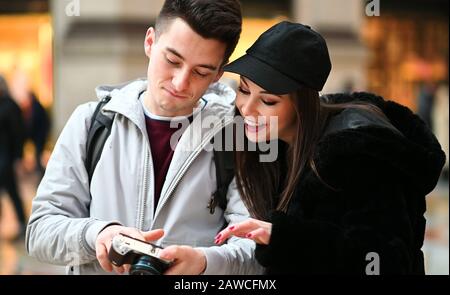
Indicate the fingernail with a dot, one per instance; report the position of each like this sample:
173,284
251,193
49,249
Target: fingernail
248,235
231,227
218,236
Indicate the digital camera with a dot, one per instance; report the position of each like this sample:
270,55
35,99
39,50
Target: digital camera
142,256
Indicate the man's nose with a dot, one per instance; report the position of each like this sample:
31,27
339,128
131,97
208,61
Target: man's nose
180,80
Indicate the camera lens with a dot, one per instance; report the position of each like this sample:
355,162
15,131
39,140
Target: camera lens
147,265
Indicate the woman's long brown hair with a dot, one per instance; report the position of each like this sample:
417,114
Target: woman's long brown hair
264,186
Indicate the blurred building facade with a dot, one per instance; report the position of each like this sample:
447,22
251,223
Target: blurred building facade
63,49
408,46
389,50
98,42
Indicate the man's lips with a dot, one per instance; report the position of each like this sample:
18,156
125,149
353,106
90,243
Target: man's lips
175,94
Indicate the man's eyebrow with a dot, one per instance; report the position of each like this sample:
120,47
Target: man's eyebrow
174,52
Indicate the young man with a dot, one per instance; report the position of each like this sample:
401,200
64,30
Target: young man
142,186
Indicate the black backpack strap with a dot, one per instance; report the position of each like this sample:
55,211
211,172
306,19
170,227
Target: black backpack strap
98,133
224,162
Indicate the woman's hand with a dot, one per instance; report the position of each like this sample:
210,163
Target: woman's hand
257,230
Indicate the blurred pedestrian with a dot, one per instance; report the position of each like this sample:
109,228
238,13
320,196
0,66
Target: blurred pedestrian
425,103
348,86
37,123
11,148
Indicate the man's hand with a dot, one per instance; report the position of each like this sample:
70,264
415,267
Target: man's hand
104,239
187,260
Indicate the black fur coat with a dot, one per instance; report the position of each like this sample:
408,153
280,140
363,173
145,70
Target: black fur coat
369,217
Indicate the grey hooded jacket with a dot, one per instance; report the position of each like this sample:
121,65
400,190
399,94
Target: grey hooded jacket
66,220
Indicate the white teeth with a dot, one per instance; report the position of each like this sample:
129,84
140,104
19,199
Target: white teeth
251,123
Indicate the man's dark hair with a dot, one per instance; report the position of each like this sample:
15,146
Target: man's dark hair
216,19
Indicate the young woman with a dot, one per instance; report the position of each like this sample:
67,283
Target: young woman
346,194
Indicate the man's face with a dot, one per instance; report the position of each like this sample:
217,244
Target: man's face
182,65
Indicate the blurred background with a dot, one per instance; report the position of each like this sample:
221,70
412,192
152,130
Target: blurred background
53,53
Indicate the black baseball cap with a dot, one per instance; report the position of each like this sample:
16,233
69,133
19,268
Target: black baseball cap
284,58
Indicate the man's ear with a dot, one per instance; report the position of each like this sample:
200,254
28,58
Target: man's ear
219,75
150,38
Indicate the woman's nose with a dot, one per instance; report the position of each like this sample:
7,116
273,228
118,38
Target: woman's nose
248,108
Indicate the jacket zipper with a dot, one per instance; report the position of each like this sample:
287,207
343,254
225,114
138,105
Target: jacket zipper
184,168
144,197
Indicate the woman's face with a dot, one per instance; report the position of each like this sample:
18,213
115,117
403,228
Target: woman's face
266,116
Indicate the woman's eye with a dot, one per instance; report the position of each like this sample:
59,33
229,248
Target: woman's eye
243,91
269,103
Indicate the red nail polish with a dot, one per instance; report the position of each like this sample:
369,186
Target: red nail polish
231,227
218,236
248,235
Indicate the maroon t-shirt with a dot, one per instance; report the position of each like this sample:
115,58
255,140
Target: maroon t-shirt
159,134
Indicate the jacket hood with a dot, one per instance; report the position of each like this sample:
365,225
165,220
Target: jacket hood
124,100
217,93
409,149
